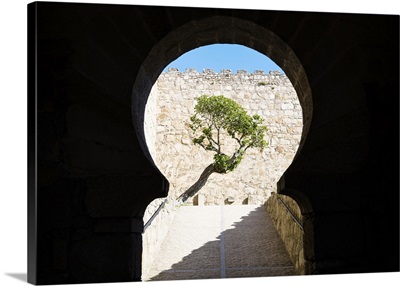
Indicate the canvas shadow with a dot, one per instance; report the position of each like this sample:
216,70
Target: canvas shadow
19,276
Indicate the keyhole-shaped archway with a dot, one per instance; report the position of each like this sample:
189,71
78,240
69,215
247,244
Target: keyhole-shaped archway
169,139
220,29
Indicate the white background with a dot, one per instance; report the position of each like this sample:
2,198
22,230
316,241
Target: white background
13,139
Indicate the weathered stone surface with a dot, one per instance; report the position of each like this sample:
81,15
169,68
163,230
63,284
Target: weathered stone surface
156,232
170,105
290,231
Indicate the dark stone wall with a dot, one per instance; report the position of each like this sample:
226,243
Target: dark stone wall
94,178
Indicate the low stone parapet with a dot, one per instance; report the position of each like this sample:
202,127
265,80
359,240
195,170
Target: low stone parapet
155,233
287,218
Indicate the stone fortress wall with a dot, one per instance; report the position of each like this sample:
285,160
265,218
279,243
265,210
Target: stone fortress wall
170,105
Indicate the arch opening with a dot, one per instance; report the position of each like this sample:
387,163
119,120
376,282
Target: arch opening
181,42
169,139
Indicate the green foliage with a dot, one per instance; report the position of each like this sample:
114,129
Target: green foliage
223,163
217,115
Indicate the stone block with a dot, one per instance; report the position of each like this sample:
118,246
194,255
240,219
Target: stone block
201,200
252,200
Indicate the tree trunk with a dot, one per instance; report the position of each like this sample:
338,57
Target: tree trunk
195,188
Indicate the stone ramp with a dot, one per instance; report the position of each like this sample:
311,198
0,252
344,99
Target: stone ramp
221,242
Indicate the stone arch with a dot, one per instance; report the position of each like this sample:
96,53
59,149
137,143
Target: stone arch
224,30
227,30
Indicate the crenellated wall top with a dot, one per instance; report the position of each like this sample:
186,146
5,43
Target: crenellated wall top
259,77
223,72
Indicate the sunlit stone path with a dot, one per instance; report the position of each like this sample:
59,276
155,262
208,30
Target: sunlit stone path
221,242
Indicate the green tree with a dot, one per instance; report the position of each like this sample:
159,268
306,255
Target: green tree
216,119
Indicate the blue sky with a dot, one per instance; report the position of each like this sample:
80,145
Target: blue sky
224,56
